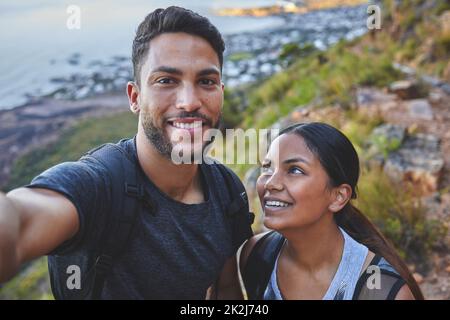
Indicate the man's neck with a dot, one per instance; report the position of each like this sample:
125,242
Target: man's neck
179,182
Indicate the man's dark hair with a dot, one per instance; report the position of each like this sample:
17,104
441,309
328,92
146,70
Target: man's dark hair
173,19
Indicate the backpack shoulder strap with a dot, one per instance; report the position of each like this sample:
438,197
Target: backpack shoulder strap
385,287
260,263
238,207
126,191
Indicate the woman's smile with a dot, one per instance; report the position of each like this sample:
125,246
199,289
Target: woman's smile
274,205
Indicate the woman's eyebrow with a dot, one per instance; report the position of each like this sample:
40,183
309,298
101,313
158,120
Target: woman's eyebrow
299,159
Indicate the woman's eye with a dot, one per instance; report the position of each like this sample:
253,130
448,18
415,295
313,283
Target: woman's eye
296,170
265,169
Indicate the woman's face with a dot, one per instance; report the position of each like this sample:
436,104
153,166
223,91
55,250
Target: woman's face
293,186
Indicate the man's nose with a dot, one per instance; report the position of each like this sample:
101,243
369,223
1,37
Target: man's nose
188,98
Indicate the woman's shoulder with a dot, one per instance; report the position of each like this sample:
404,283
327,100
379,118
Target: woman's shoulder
378,261
379,280
248,246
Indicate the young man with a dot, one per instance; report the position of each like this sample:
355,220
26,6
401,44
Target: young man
183,243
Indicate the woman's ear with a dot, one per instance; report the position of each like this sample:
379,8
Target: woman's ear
340,196
133,97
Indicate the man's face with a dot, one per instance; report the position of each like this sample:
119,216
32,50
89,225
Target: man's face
181,93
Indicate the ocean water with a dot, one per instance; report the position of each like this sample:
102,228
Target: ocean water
36,45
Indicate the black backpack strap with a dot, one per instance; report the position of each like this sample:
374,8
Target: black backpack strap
126,193
260,263
238,207
390,284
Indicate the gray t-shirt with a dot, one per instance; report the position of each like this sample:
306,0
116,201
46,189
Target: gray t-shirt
176,252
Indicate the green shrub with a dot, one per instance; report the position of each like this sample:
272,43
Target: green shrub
358,129
400,216
32,283
442,47
233,105
292,51
384,145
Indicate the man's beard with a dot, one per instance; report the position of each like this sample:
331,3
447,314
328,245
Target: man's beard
161,142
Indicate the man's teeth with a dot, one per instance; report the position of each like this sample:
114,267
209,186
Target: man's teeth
184,125
276,204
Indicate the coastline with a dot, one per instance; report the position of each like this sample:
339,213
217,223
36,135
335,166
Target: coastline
249,57
39,123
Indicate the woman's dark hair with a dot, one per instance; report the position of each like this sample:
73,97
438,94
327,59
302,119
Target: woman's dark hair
340,160
173,19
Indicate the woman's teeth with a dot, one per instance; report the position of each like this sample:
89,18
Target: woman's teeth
184,125
276,204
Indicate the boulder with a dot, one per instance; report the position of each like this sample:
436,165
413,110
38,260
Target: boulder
390,132
374,102
419,109
418,161
384,139
405,89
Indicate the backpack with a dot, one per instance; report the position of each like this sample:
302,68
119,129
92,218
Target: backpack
255,275
127,198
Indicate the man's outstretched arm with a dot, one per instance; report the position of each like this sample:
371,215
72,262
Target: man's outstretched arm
33,222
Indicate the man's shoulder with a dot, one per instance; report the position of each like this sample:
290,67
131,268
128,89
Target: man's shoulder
107,155
222,170
126,147
93,165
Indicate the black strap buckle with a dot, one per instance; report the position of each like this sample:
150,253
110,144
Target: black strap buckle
139,193
134,190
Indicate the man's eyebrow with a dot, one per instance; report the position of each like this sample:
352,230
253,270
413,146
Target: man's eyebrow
299,159
167,69
208,71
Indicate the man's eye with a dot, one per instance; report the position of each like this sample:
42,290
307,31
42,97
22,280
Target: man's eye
207,82
165,81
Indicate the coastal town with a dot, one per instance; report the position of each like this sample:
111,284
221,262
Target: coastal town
249,56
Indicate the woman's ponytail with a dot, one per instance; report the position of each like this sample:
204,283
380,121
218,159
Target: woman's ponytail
359,227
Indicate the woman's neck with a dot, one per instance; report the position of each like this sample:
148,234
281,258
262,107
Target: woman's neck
315,247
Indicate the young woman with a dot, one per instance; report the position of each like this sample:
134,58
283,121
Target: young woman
320,246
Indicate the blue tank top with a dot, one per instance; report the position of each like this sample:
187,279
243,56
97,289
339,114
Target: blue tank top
344,281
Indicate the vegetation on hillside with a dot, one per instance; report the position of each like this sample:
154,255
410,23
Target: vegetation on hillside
72,145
